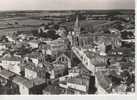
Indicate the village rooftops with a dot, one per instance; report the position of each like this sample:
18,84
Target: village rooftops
96,59
6,74
11,58
83,69
20,44
80,80
108,79
34,41
20,80
80,69
55,42
23,81
33,67
33,55
38,81
122,52
64,53
58,67
52,89
123,49
104,81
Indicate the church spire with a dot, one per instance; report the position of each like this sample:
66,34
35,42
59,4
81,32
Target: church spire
77,27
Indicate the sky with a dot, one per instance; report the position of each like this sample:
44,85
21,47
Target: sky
65,4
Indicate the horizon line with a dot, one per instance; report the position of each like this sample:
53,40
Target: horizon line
63,9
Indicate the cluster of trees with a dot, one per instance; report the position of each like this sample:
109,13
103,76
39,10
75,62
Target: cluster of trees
127,35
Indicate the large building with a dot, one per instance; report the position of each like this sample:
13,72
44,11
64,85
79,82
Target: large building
12,63
86,40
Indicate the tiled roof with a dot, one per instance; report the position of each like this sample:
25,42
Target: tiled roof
33,67
103,80
96,59
80,80
23,81
38,81
33,55
11,58
81,69
6,74
59,67
20,80
52,89
113,73
33,41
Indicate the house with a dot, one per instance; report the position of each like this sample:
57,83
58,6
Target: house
43,46
53,90
60,66
34,43
29,86
80,83
32,71
58,70
63,59
77,81
61,32
33,57
53,47
24,85
6,74
10,39
123,51
6,82
12,63
101,49
107,80
114,31
90,59
41,29
79,70
103,83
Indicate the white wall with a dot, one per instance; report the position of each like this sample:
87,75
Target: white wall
12,66
78,87
30,74
23,90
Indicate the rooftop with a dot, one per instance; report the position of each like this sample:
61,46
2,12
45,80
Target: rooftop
81,80
6,74
11,58
96,59
52,89
80,69
33,67
33,55
38,81
23,81
59,67
103,80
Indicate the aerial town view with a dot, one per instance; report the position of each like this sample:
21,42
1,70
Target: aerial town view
71,52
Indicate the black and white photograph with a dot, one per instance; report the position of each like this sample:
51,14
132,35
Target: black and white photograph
67,47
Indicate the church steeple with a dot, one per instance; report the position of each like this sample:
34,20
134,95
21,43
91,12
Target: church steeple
77,27
76,32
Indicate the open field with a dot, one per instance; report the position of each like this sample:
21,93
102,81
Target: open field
27,20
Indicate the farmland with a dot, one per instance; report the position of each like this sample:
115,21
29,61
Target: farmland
11,21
